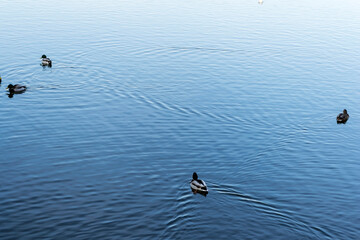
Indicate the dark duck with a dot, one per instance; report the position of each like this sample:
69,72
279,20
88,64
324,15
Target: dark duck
342,117
198,185
45,61
17,88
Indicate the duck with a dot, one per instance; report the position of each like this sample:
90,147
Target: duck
342,117
198,185
0,79
45,61
17,88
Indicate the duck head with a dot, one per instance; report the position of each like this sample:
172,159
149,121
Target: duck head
11,88
345,112
43,56
195,176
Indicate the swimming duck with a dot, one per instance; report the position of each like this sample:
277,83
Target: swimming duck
0,79
198,186
45,61
342,117
17,88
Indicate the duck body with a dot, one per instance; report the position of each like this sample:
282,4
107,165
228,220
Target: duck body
342,117
45,61
198,185
17,88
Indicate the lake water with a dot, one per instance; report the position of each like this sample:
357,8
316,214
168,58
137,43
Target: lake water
143,93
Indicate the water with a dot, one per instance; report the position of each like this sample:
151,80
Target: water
143,93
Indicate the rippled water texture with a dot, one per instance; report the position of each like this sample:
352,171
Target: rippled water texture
143,93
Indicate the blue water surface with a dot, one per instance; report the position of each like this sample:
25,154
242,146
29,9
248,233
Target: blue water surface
143,93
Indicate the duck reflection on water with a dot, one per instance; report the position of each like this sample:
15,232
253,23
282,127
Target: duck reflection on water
15,89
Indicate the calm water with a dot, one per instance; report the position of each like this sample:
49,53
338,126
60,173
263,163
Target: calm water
143,93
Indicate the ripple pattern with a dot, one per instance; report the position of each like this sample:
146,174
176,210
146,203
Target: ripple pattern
141,94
